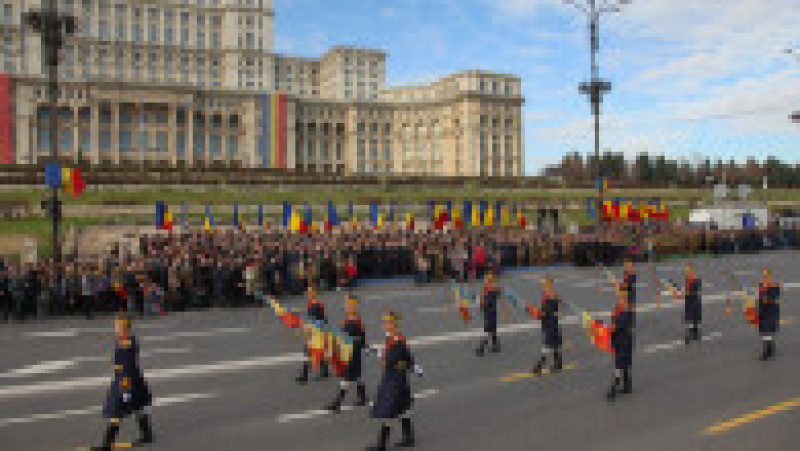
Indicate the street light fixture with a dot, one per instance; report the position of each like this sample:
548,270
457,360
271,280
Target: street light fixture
596,87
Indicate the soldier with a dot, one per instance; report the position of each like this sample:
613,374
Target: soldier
489,301
693,305
551,330
622,345
128,393
629,286
394,392
315,310
352,373
768,313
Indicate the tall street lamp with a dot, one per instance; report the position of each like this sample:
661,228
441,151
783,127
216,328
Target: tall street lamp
596,87
53,28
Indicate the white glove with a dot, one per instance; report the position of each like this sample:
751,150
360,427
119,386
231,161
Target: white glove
417,370
126,397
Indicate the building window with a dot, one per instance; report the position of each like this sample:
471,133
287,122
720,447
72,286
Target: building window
125,144
215,144
105,142
232,146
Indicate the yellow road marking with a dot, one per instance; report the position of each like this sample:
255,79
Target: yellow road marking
750,417
517,376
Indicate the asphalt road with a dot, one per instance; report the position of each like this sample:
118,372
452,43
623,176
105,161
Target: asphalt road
224,379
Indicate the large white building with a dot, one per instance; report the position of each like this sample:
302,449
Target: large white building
195,83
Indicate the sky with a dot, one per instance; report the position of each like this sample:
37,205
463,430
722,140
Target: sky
691,79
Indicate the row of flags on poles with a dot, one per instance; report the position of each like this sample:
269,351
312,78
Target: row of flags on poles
629,209
69,179
300,218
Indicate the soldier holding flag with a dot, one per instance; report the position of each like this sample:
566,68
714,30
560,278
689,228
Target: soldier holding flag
315,310
354,328
622,345
768,313
551,330
491,294
394,399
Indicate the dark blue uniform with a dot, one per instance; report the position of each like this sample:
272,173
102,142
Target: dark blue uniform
622,345
551,330
354,328
316,312
622,338
394,392
122,401
489,309
629,285
693,304
768,309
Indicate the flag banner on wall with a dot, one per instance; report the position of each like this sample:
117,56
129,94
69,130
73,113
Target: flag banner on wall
273,131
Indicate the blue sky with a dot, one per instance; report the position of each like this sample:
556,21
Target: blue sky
690,78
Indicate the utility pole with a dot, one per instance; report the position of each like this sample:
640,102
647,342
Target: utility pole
53,28
596,87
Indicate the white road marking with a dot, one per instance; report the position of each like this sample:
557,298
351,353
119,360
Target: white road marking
195,334
650,349
159,402
315,413
52,334
54,366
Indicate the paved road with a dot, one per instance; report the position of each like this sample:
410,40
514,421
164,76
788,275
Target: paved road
225,379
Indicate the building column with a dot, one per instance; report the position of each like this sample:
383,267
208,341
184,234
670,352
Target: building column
172,129
76,136
94,133
189,127
115,147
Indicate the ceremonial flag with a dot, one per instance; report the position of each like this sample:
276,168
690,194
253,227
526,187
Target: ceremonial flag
236,214
449,211
482,217
287,215
410,221
69,179
373,213
520,217
309,218
209,219
468,215
488,220
458,222
52,176
161,208
260,215
350,214
333,220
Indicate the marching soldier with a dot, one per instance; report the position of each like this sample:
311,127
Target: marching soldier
491,294
629,286
622,345
693,305
352,373
315,310
394,392
551,330
768,313
128,393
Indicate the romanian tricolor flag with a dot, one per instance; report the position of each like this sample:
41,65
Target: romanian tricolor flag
477,214
163,216
208,225
520,218
69,179
410,221
598,333
488,220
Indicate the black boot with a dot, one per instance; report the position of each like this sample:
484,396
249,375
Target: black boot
323,371
481,347
696,333
495,343
771,349
537,369
361,395
688,338
765,353
145,430
627,385
557,362
408,434
336,405
383,437
303,377
109,438
613,391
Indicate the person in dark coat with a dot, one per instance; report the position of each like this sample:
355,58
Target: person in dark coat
128,393
629,286
693,305
551,329
315,310
489,301
354,328
622,345
768,313
394,399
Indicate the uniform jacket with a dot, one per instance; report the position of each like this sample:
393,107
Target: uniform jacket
551,330
394,392
355,329
768,308
489,308
622,337
128,392
693,304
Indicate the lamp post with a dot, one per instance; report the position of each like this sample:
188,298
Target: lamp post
596,87
53,28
